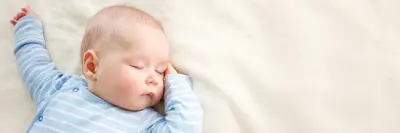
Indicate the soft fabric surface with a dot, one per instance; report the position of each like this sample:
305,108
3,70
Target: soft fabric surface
259,66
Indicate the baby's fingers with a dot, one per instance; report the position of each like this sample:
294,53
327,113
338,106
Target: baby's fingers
26,8
170,70
13,22
21,14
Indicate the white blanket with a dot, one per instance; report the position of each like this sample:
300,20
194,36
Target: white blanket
259,66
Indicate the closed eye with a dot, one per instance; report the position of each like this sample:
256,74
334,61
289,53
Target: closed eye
159,72
137,67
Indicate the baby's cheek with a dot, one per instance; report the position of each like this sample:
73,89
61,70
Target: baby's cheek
160,92
127,85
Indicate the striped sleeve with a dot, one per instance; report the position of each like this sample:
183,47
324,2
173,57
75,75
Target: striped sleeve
184,113
38,71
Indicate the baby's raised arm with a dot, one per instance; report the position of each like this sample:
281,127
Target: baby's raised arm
34,64
184,113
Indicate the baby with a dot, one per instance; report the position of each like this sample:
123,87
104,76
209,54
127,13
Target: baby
125,62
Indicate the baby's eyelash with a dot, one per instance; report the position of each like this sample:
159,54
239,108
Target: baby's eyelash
137,67
161,73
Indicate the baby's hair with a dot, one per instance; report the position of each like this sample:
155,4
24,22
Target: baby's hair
100,26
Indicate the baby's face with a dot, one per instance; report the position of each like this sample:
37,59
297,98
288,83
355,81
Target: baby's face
130,73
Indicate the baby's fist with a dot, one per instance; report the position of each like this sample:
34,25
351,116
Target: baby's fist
26,11
170,70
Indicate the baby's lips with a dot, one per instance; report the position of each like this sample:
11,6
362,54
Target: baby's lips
150,94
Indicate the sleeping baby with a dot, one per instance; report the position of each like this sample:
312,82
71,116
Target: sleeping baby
126,67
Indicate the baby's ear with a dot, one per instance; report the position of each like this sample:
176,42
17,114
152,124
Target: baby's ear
90,64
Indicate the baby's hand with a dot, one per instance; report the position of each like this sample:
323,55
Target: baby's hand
170,70
26,11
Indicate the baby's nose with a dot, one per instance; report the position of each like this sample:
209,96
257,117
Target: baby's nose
151,81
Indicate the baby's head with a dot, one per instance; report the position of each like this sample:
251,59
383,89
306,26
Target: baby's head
124,55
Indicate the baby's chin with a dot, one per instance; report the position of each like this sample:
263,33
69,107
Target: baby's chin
133,107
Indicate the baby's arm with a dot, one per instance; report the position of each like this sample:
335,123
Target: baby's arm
184,113
33,61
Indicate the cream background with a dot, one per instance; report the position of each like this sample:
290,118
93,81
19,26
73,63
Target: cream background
260,66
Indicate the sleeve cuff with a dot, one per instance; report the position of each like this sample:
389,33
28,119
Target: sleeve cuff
25,21
172,79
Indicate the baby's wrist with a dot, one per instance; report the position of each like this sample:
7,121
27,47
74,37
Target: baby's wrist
174,79
175,75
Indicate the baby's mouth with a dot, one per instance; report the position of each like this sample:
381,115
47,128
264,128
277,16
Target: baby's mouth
150,95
